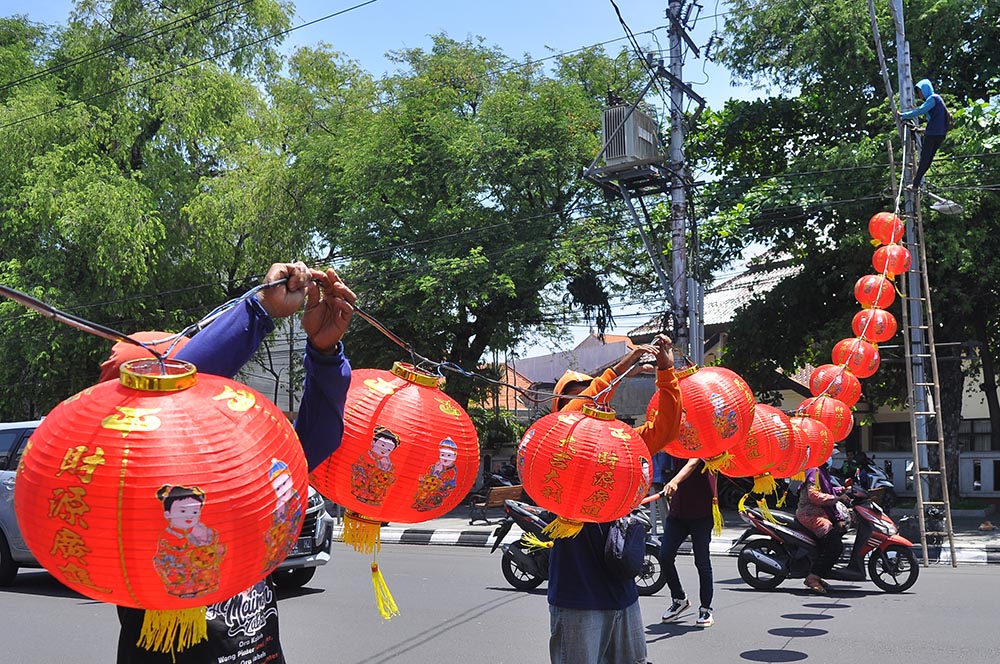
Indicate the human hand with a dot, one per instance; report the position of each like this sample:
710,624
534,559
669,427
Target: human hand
285,299
670,488
664,352
329,309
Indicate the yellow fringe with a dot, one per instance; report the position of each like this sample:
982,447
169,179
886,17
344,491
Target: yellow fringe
742,505
765,510
386,604
764,484
716,518
719,462
361,533
799,477
562,528
531,542
174,630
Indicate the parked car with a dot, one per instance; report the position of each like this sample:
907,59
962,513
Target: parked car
311,550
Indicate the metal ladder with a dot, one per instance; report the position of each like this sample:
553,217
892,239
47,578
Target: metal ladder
922,382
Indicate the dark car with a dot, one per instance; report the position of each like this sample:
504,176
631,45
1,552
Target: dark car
311,550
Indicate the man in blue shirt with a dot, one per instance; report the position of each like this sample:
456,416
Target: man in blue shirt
937,126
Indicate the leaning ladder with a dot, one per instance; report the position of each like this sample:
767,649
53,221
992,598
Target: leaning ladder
922,383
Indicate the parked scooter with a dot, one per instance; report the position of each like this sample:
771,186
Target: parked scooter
783,548
874,479
525,563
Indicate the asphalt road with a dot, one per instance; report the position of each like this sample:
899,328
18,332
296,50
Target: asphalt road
456,607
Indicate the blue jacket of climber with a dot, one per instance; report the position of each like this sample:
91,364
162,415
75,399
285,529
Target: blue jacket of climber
933,108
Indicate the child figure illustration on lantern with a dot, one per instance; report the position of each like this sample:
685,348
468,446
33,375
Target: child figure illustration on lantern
188,555
373,473
287,519
439,480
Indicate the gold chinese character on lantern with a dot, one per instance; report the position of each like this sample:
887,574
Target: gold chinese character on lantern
82,466
68,504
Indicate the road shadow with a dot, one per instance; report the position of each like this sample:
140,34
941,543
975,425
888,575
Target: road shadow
291,593
773,656
661,631
508,589
797,632
806,617
828,605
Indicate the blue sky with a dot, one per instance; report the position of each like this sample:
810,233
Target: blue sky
536,27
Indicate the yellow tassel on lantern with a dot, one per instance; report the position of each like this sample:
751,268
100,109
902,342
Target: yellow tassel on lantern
716,518
174,630
531,542
765,510
562,528
781,501
386,604
742,505
718,462
764,484
799,477
361,533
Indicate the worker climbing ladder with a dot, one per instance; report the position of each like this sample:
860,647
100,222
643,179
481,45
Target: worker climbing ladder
929,464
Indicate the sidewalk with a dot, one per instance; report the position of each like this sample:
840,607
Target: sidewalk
972,546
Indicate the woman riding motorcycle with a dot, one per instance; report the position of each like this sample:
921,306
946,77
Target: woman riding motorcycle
818,499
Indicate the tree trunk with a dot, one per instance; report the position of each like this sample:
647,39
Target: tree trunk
989,367
951,382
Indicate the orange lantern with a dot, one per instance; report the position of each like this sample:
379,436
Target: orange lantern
836,381
584,466
858,355
835,414
875,325
891,259
717,410
874,291
766,442
409,454
886,228
166,491
817,437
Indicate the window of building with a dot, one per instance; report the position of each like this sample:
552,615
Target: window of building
891,437
974,435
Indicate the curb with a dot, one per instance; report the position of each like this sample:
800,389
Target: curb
966,554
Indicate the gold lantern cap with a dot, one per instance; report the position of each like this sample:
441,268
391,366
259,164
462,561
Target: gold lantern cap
599,411
407,371
152,375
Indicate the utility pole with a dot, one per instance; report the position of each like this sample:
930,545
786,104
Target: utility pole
678,197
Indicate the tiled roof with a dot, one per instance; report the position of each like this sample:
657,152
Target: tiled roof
724,299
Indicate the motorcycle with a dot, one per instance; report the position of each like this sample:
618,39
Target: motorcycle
876,481
525,563
781,548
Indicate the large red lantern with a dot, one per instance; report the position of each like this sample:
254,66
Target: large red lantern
858,355
835,381
166,491
891,259
886,228
794,454
409,454
766,442
835,414
818,439
584,466
874,291
717,410
874,325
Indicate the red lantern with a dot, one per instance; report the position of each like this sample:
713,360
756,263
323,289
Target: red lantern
409,452
584,466
874,291
794,449
836,381
858,355
767,440
717,410
875,325
817,437
886,228
835,414
891,259
166,491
